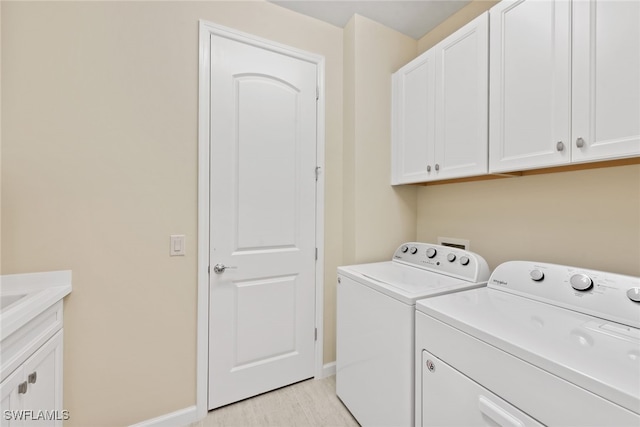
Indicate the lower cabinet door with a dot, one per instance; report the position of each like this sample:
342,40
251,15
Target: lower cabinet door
11,399
32,394
43,373
450,398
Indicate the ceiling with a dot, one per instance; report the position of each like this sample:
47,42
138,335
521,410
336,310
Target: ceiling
413,18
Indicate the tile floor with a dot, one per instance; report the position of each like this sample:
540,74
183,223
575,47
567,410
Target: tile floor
311,403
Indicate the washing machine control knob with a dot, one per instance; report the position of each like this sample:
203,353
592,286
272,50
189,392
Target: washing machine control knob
431,252
581,282
464,260
451,257
536,275
404,249
634,294
413,250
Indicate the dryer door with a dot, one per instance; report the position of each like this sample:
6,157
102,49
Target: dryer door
450,398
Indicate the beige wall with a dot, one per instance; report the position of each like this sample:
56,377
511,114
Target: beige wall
377,217
371,53
99,167
585,218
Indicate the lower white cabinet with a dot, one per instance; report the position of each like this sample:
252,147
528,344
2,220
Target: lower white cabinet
32,394
31,336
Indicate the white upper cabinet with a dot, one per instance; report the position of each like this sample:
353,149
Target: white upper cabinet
530,88
564,82
462,67
412,129
439,119
606,79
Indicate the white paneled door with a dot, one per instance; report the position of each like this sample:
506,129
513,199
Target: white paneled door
262,219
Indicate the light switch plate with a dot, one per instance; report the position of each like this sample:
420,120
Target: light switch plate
177,245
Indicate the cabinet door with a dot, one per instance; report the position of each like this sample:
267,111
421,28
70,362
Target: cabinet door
412,120
11,399
606,79
43,372
462,81
530,91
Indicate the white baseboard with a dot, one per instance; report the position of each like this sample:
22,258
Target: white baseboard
180,418
328,369
186,416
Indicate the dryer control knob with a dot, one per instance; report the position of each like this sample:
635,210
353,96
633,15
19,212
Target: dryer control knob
536,275
431,252
451,257
634,294
404,248
464,260
581,282
413,250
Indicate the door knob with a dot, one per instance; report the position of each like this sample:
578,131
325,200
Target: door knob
220,268
560,146
579,142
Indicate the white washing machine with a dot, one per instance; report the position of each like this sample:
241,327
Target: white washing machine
375,325
542,344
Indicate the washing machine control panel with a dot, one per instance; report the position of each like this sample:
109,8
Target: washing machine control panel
609,296
444,259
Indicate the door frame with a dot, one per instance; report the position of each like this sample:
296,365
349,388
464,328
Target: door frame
206,29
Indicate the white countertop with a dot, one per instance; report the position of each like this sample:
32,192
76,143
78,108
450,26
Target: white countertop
24,296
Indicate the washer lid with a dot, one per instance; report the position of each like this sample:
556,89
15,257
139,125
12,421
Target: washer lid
403,282
597,355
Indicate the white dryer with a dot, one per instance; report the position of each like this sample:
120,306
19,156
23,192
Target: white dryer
375,325
542,344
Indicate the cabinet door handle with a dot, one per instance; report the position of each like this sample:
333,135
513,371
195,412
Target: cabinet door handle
22,388
437,167
579,142
32,378
428,168
560,146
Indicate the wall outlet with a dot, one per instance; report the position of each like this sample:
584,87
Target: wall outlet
455,243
